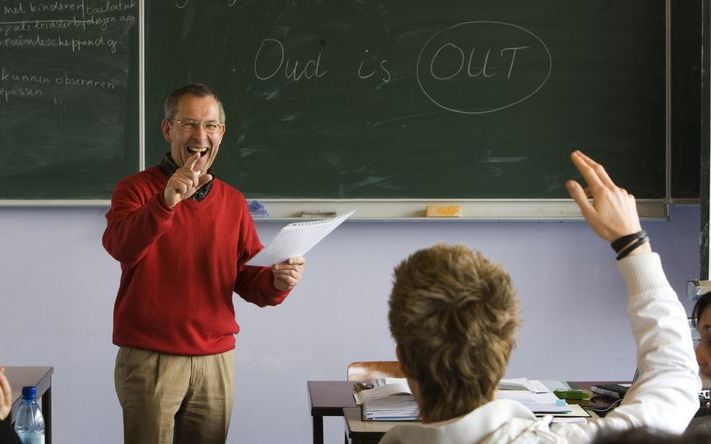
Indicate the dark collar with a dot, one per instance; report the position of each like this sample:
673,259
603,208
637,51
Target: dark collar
168,166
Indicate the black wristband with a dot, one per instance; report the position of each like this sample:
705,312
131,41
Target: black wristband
640,241
619,243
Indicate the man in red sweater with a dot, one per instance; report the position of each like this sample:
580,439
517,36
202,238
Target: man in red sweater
182,237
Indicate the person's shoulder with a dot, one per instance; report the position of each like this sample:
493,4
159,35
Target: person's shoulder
150,174
229,190
141,185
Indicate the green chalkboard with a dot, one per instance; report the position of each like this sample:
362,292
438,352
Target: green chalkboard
687,85
68,98
418,99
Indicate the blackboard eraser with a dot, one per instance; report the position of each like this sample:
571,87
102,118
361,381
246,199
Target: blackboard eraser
318,214
443,211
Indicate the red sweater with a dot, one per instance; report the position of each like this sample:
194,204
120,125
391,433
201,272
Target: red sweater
180,266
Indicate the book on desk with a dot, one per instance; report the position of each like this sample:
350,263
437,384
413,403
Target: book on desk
391,399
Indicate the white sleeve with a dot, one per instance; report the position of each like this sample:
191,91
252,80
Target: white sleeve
665,394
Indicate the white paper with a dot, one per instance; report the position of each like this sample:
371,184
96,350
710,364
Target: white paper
390,402
536,402
532,385
393,386
296,239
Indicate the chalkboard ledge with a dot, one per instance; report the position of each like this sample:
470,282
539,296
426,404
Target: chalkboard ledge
281,210
414,209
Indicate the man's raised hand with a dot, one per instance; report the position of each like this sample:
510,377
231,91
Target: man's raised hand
184,182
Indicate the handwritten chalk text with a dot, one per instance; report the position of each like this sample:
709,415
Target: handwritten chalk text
270,58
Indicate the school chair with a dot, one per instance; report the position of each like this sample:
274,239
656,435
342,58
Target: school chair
369,370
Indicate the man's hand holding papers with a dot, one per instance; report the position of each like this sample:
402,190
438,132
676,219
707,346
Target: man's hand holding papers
295,240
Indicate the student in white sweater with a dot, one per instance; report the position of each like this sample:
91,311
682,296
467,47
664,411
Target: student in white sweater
454,315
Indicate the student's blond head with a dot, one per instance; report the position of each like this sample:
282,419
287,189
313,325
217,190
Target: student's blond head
453,315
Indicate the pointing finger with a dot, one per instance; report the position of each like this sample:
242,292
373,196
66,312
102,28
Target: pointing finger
204,178
583,164
599,170
192,160
578,195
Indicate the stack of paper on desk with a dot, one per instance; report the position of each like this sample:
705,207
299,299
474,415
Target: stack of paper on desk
536,402
531,385
391,401
538,398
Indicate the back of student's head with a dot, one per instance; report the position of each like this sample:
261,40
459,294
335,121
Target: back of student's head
453,315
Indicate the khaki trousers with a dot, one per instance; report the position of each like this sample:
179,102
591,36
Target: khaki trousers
170,398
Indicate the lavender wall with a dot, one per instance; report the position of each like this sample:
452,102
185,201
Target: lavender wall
58,286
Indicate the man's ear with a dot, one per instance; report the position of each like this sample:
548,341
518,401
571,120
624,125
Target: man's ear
165,129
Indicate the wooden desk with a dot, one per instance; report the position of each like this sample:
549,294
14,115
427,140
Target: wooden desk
40,377
370,432
331,398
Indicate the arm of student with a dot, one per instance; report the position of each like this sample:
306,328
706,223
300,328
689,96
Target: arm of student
665,394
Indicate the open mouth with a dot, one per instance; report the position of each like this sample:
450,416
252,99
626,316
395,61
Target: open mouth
198,149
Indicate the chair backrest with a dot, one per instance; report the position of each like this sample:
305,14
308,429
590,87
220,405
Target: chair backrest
369,370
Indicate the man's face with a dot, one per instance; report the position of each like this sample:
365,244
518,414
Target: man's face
703,350
196,127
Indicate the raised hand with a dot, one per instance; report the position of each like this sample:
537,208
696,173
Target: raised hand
184,182
612,211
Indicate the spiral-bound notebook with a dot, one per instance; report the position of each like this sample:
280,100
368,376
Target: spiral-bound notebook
296,239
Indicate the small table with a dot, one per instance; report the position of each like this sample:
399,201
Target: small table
328,398
40,377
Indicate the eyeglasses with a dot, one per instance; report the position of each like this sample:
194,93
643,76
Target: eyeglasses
190,125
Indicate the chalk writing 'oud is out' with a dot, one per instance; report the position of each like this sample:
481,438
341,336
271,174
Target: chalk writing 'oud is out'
471,68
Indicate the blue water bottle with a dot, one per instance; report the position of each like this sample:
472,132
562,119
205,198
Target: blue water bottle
29,423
